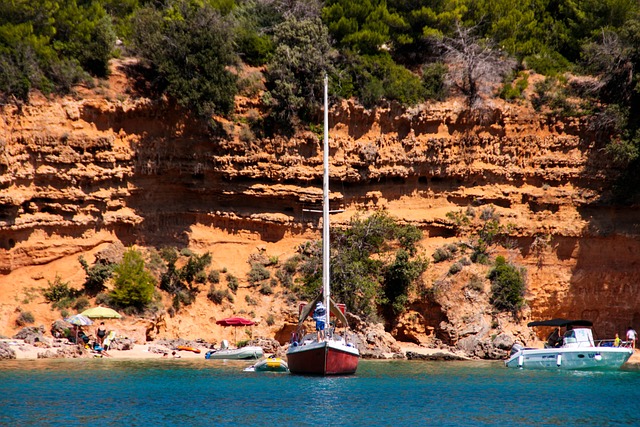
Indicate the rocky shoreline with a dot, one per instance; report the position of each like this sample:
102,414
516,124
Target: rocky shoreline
20,349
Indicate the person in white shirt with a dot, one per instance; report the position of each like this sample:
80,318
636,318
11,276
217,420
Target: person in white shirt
632,336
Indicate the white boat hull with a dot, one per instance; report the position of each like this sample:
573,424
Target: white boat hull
581,358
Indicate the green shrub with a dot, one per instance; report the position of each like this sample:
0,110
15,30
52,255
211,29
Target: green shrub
103,298
81,303
232,282
286,278
258,273
182,297
250,300
480,258
266,289
455,268
64,303
433,81
475,283
190,47
294,76
133,284
25,318
256,49
214,276
442,254
547,63
507,286
182,282
217,296
514,86
59,290
97,275
378,78
271,320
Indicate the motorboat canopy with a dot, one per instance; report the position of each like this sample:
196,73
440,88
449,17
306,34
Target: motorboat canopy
562,323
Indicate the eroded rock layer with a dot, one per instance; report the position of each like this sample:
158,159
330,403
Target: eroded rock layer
80,173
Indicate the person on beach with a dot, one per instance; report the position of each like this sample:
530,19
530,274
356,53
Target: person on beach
101,332
632,336
99,350
320,316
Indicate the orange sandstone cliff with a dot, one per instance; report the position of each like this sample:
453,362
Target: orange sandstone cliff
78,174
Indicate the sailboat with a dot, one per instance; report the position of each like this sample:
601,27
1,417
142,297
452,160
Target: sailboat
334,355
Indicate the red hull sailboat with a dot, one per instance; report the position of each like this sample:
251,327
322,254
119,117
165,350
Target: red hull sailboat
323,358
334,355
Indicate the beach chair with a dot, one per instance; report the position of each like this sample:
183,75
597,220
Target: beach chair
108,340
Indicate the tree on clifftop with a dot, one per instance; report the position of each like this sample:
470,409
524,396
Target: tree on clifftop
474,64
190,46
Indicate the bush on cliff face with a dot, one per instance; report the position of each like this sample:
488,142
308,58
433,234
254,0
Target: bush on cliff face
183,282
97,275
374,265
59,291
134,285
507,286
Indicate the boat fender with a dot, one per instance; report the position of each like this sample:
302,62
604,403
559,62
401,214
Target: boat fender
520,361
559,360
209,353
294,344
598,357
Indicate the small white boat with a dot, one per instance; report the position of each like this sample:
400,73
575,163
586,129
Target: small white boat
270,364
575,351
242,353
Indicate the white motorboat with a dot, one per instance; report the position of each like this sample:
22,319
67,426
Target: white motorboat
576,350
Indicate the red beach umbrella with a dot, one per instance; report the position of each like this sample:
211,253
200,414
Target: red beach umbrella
235,321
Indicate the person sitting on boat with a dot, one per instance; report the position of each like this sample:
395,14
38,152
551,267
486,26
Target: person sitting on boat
554,339
320,316
616,341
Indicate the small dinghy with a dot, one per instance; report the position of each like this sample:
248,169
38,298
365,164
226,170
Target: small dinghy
270,364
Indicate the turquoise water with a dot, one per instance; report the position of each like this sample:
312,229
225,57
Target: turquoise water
102,392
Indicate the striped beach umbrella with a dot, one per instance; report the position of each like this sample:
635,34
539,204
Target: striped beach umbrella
79,320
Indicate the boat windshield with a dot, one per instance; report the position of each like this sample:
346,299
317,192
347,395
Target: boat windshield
570,337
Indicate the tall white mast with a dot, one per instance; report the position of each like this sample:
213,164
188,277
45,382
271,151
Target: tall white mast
325,203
